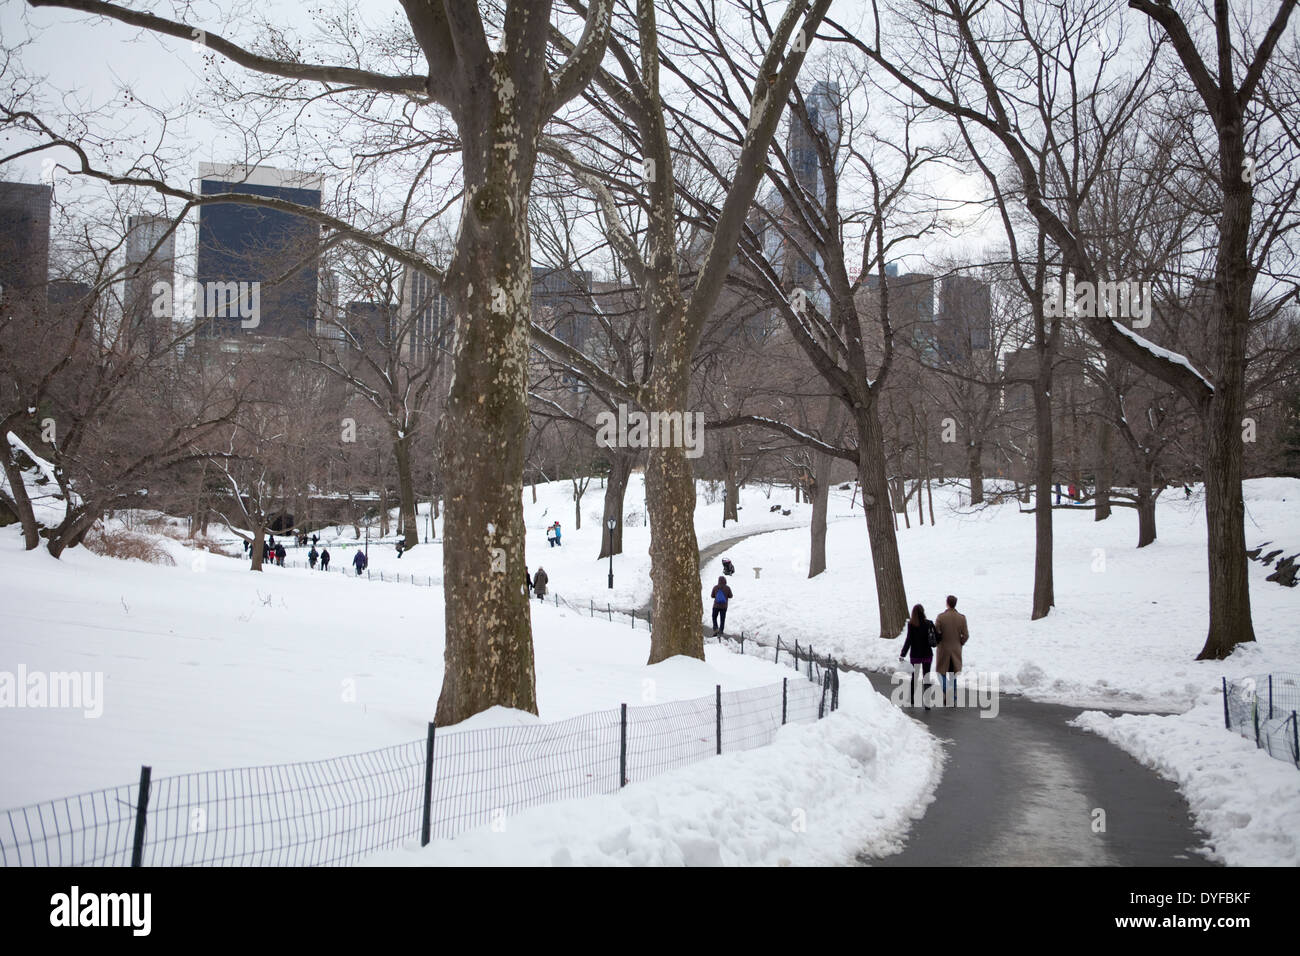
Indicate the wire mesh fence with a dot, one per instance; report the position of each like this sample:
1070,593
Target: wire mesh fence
336,811
1264,707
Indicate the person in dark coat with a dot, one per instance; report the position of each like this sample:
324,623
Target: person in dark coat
266,552
922,654
528,579
721,595
325,559
314,540
540,580
312,555
359,562
279,554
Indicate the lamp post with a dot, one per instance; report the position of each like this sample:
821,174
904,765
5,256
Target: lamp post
426,522
611,524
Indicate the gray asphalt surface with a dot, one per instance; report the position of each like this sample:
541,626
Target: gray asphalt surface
1022,788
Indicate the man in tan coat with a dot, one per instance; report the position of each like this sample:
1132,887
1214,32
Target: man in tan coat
953,635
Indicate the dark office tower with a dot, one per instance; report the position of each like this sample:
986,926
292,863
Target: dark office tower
425,317
965,318
561,302
369,325
249,250
150,263
24,244
823,102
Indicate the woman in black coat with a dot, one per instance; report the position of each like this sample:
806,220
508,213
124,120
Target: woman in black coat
922,653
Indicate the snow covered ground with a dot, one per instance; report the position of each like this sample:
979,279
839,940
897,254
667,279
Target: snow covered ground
206,666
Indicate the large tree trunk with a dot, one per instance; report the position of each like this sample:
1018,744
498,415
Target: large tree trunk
731,480
489,649
1044,587
674,549
620,468
1105,470
975,468
18,491
406,489
1230,613
1146,509
822,465
891,596
259,540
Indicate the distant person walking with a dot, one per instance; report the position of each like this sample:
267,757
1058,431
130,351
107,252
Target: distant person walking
922,636
552,535
311,558
314,540
325,559
528,582
953,635
359,562
721,595
557,534
279,554
539,583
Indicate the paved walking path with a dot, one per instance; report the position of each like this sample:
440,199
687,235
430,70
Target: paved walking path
1023,789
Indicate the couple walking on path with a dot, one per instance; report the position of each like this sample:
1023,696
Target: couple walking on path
944,638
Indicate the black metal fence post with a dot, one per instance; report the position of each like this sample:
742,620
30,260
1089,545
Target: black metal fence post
426,826
785,684
778,650
1295,739
719,718
622,749
141,815
1255,709
1227,720
1270,696
742,642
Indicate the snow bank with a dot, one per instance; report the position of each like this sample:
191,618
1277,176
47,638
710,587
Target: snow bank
820,794
1244,799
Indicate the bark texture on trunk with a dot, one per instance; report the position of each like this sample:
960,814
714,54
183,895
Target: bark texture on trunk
1105,470
620,469
406,488
890,594
731,481
1044,586
975,468
678,608
18,494
821,499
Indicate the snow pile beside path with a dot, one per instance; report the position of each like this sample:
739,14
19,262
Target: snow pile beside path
1244,799
820,794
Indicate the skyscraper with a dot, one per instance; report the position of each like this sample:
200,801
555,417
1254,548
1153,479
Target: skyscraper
425,316
270,250
144,269
823,105
965,318
24,243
